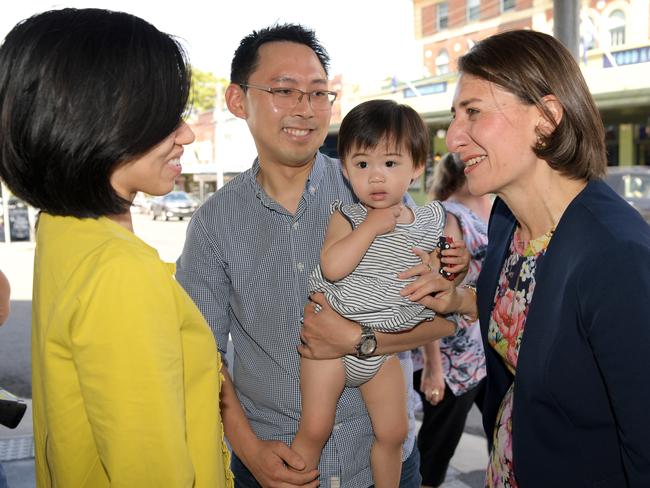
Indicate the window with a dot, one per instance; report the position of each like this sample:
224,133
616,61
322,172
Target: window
443,15
507,5
442,62
473,9
616,25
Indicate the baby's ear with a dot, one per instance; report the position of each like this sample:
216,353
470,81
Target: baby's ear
345,170
417,172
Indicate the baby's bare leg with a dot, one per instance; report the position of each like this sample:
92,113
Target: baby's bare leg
385,398
321,385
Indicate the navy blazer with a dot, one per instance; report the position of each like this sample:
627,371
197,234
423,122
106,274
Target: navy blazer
581,408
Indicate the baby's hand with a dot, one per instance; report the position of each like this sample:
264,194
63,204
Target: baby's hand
454,257
383,220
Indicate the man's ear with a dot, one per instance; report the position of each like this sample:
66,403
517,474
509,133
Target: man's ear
235,100
553,109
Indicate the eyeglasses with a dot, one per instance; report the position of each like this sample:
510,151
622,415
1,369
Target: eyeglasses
290,97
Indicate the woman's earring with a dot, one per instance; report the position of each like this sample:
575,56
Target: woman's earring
540,143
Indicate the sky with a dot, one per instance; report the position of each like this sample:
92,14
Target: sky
368,40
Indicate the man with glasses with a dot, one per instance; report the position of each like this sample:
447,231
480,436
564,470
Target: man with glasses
248,255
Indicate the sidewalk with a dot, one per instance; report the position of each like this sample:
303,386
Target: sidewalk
467,466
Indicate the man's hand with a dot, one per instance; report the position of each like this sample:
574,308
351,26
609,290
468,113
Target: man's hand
275,465
326,334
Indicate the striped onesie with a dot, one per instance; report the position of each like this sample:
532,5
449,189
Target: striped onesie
370,294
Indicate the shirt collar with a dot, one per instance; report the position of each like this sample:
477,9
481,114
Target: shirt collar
311,186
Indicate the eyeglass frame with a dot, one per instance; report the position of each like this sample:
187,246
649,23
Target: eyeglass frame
274,90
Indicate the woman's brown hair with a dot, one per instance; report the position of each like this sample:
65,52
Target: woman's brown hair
533,65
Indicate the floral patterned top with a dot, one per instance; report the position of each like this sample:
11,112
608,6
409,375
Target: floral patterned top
513,297
463,360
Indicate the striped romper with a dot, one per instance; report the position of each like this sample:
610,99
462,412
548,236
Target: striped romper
370,294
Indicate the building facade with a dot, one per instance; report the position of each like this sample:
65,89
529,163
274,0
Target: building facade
614,56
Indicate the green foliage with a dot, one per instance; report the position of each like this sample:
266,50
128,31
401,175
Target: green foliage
419,197
205,89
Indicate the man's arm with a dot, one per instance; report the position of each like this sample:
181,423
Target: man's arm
328,335
200,270
268,461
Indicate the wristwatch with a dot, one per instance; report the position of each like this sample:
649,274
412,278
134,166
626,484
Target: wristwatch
367,344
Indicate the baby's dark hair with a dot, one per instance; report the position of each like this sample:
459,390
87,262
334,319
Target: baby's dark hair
369,122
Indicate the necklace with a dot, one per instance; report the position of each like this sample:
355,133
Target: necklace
533,246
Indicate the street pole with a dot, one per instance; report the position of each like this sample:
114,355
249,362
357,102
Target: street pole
566,17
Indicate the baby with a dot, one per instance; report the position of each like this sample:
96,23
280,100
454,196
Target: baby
383,147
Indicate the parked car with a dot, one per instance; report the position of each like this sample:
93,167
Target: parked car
633,184
177,204
140,202
18,220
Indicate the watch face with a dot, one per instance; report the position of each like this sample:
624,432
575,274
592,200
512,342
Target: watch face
368,346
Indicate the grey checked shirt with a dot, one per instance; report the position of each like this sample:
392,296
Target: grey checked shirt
246,264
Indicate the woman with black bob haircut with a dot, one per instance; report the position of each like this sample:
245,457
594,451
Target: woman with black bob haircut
84,92
125,369
563,292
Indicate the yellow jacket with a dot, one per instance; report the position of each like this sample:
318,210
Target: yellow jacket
125,375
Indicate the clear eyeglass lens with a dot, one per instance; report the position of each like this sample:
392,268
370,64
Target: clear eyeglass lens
287,98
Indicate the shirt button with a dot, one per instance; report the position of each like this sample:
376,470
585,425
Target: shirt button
295,225
336,426
300,266
312,189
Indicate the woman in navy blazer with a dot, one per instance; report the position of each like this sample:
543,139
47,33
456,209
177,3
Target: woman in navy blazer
564,293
